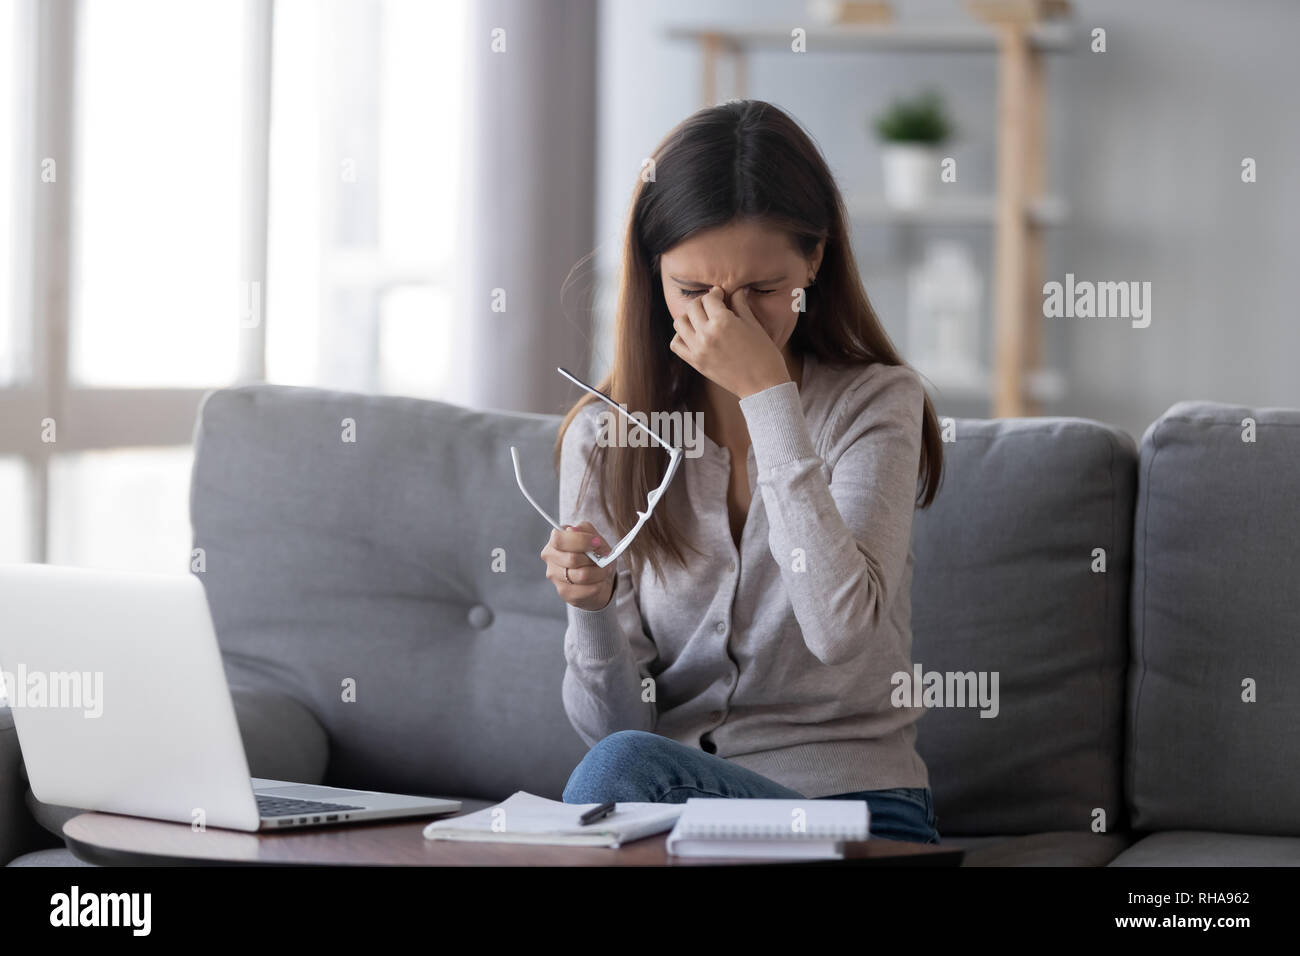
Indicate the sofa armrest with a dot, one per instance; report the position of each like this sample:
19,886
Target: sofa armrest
18,830
283,739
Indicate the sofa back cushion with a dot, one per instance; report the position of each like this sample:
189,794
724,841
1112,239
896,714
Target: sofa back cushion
1213,706
389,582
1009,583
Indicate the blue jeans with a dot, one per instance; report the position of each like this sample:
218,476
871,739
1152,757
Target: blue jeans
635,766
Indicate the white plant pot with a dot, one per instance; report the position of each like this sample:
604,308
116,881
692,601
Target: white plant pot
910,173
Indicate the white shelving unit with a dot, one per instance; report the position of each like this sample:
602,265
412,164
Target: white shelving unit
1018,211
957,211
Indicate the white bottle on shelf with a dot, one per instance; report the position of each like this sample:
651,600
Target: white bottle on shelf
945,291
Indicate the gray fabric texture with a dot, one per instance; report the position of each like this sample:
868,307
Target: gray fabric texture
282,740
51,816
1041,849
373,560
50,857
369,564
785,663
19,832
1215,604
1202,848
525,238
13,823
1005,583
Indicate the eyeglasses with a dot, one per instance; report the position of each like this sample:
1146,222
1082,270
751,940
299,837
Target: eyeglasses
675,459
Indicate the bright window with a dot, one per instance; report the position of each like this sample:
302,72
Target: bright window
126,509
153,114
365,176
158,188
10,83
15,511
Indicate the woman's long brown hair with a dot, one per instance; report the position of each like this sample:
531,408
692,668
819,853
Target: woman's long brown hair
745,159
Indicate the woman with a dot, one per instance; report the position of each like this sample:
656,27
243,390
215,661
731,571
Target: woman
747,642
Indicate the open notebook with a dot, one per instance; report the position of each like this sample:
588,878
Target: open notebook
526,818
773,829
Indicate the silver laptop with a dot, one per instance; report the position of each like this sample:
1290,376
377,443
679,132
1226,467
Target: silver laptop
121,704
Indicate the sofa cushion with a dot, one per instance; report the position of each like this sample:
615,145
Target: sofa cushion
1074,848
1216,615
1191,848
19,832
390,583
51,816
1005,585
282,739
51,857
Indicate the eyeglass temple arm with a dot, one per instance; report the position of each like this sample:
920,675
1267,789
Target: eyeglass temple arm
602,561
519,480
613,404
642,516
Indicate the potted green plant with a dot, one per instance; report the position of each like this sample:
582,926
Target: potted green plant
911,130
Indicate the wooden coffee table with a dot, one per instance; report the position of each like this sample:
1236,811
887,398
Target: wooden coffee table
112,840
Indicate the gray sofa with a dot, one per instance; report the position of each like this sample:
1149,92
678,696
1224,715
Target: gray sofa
1146,706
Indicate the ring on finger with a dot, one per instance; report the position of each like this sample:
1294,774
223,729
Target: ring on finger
566,575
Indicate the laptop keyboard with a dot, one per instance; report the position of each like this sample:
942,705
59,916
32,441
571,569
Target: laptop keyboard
271,806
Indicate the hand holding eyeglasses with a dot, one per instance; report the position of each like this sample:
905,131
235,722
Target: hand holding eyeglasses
579,580
607,557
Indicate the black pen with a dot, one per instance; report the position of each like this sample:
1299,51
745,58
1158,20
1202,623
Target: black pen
595,813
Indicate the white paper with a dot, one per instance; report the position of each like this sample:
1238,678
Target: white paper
526,818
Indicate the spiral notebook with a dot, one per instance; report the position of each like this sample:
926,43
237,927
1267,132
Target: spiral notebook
772,829
527,818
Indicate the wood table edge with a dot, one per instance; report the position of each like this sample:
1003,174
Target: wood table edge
85,849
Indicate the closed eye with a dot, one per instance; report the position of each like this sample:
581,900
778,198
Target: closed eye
692,293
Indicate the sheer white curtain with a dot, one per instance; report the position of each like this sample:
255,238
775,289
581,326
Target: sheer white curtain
355,176
529,209
367,136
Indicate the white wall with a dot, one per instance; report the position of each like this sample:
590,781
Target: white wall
1145,142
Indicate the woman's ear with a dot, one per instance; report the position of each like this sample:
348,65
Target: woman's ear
815,262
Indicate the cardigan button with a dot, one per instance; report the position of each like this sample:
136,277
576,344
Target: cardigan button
720,626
